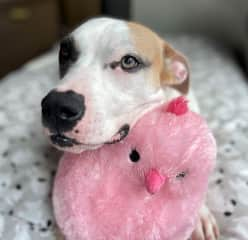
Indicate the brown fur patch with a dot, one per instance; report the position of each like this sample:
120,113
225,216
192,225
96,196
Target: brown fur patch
149,46
159,53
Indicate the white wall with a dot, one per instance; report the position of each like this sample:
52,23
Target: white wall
222,19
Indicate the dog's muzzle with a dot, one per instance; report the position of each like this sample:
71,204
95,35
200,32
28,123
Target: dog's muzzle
62,110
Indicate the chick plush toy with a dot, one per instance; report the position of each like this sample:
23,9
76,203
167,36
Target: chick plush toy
149,186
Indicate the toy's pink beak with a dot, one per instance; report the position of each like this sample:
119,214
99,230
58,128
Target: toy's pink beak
154,181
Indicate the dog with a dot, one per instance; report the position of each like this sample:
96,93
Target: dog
112,72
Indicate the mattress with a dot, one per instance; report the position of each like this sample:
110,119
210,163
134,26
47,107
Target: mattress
28,163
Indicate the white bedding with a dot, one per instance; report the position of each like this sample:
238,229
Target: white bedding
28,163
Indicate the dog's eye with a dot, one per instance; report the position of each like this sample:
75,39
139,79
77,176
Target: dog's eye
67,54
134,156
64,52
130,63
67,51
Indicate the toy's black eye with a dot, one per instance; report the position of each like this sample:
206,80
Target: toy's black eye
181,175
134,156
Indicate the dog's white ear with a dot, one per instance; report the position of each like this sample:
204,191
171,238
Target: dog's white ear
175,72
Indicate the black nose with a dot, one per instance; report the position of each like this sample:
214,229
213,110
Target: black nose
62,110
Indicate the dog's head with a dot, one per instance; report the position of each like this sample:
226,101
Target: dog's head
111,71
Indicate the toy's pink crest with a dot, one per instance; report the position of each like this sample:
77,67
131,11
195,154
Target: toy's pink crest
178,106
154,181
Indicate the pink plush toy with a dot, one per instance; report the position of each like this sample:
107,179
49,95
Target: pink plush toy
149,186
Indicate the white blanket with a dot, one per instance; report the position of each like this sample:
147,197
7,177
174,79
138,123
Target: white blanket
28,163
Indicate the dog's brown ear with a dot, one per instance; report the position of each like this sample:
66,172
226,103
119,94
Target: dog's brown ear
175,72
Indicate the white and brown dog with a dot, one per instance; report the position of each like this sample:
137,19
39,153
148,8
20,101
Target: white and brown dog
112,72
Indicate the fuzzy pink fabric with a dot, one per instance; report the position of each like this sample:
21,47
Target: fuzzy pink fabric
104,195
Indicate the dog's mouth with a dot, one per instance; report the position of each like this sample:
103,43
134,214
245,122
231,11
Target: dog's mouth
63,141
120,135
